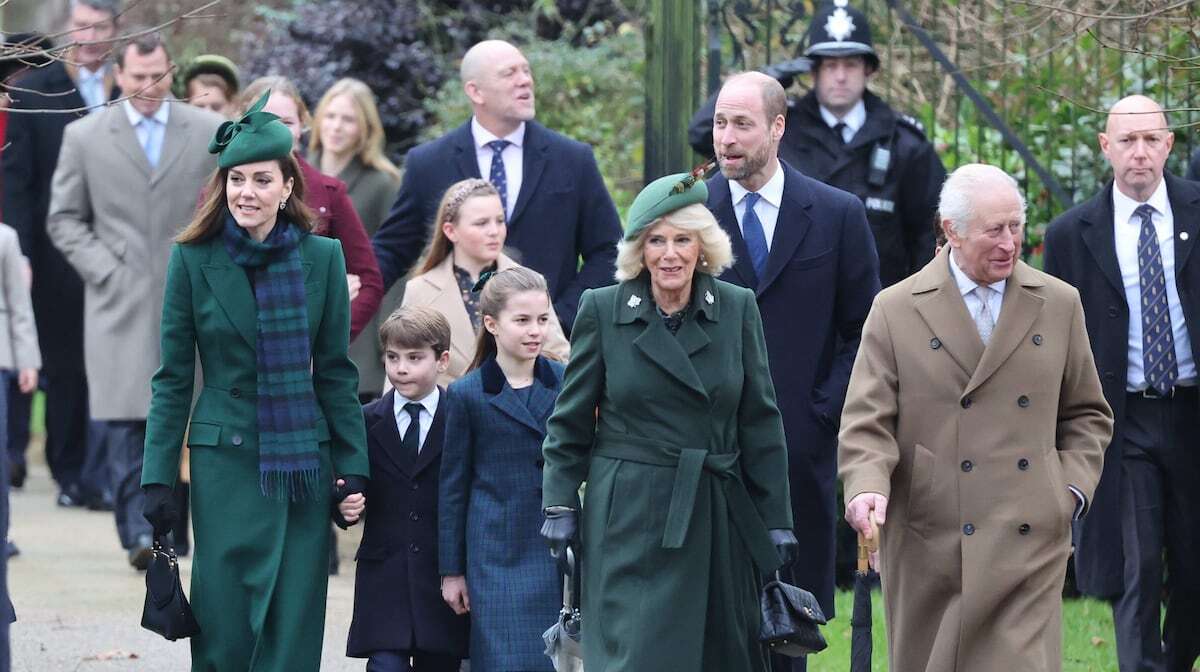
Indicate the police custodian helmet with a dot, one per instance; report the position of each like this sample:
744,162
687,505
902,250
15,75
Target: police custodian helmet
837,29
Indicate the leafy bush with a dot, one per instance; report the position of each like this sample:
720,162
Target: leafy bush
595,95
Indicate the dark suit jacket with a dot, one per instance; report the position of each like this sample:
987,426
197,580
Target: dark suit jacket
820,279
28,160
563,212
397,591
1080,249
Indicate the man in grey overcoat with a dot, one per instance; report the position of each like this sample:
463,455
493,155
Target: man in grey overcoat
127,181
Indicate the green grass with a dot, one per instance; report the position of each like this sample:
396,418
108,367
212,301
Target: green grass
1087,637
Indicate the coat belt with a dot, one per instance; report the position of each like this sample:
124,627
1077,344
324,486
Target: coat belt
690,465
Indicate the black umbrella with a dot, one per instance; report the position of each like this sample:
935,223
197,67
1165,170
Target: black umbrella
860,619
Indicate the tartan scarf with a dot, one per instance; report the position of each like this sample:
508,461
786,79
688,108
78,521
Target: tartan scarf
289,461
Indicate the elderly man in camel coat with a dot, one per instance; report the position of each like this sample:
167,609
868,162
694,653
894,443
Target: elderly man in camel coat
973,432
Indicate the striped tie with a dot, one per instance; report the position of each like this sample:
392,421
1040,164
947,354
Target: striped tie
1158,342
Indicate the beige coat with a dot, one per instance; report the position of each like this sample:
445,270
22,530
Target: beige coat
115,219
438,289
18,334
975,449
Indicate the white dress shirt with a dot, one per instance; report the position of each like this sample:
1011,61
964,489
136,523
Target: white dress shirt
513,157
403,419
854,119
767,207
967,287
1126,228
149,135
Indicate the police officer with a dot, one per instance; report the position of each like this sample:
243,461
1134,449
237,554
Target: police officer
846,136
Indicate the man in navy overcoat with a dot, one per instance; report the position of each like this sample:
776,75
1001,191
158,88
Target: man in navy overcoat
810,257
557,206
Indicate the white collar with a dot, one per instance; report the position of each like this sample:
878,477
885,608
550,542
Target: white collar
483,136
854,119
160,115
1123,206
771,192
430,402
965,284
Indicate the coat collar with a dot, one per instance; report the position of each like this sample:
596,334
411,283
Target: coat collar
175,139
505,399
381,426
448,300
534,156
940,304
231,288
670,352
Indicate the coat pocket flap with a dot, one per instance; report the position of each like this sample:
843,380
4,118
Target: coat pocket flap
204,434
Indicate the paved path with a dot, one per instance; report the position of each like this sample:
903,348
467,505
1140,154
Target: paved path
79,602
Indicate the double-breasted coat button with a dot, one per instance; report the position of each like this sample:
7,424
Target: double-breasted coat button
935,343
235,393
1112,311
966,402
1023,464
967,465
414,548
237,439
968,529
1109,375
1024,528
322,208
1023,401
412,515
413,486
1037,339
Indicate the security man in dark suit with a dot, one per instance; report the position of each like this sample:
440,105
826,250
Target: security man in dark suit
1129,252
554,198
79,82
847,137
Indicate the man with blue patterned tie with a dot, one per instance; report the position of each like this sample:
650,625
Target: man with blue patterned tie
1128,251
125,185
808,253
557,207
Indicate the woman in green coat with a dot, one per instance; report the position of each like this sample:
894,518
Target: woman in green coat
667,411
277,424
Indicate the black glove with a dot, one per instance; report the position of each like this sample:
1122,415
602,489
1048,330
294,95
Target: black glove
559,530
786,544
785,71
159,508
353,486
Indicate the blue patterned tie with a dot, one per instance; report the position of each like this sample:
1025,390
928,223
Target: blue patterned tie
497,177
752,231
1158,342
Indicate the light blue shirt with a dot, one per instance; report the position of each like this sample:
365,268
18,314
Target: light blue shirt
767,207
150,130
428,408
967,287
91,88
1126,230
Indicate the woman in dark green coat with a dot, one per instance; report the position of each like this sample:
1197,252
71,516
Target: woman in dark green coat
667,411
277,423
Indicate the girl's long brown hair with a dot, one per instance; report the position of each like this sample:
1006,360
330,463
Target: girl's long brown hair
493,299
210,216
458,193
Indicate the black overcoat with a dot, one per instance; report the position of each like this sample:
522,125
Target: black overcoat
398,602
1081,249
820,279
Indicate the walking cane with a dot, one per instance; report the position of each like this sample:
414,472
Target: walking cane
860,619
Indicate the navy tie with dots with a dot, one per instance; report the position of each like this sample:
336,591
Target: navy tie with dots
410,445
1158,342
752,232
497,177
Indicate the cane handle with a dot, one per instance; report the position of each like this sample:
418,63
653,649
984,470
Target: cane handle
868,546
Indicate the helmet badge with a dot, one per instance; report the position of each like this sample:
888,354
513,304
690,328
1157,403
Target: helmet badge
839,25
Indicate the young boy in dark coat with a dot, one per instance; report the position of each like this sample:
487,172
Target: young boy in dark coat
401,623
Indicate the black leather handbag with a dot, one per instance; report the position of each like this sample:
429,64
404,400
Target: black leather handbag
166,611
790,617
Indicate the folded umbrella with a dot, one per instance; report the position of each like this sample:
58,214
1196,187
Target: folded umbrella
860,619
563,639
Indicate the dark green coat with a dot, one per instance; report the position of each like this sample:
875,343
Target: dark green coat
259,573
686,470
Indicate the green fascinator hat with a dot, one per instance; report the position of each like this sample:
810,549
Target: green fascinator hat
664,196
257,136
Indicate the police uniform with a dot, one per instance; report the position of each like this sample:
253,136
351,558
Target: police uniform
888,163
